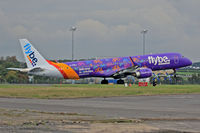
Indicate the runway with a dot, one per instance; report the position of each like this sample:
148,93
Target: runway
171,112
165,106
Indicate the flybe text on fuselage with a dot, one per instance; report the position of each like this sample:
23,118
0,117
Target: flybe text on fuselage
158,60
30,54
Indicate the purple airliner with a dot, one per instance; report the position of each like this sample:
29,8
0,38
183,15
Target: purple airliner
138,66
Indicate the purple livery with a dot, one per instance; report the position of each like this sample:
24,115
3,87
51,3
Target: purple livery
138,66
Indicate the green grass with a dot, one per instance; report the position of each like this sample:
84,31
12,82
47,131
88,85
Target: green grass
76,91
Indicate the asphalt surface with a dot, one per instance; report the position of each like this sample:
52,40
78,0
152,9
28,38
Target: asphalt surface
178,111
165,106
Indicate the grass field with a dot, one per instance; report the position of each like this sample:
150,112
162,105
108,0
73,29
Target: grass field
77,91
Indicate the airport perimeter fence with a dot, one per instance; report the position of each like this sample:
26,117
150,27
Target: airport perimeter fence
191,75
43,80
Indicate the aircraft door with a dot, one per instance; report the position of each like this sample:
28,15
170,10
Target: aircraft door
176,59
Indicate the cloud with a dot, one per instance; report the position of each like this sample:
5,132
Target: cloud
93,28
105,28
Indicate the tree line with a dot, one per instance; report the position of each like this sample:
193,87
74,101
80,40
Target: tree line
7,76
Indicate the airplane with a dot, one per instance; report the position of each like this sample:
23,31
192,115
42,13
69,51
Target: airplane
140,66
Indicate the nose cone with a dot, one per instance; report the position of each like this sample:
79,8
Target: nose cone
187,62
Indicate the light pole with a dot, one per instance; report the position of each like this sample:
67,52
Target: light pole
144,32
72,29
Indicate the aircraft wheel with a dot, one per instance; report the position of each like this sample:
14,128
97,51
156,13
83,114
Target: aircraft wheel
104,81
120,81
154,83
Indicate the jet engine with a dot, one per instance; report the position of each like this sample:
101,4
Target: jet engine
143,73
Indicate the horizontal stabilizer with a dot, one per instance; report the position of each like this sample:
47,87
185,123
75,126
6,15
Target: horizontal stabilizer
37,69
20,69
25,70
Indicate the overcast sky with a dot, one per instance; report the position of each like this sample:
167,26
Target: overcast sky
106,28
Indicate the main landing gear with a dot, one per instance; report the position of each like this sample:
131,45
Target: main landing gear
120,81
104,81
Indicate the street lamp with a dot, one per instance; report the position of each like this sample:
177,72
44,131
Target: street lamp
72,29
144,32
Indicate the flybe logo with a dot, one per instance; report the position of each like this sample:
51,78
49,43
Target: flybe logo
158,60
30,54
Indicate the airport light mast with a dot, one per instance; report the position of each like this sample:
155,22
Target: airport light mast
144,32
73,29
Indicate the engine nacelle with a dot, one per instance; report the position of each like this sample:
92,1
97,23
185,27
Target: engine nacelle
143,73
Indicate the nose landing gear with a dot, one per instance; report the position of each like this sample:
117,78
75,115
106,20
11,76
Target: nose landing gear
154,82
175,76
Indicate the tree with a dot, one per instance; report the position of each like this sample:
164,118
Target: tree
11,77
194,79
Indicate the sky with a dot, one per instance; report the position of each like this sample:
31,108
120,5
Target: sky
105,28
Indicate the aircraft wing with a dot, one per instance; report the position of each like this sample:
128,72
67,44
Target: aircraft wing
125,72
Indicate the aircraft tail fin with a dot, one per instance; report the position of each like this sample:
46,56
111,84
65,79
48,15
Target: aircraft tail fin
32,56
